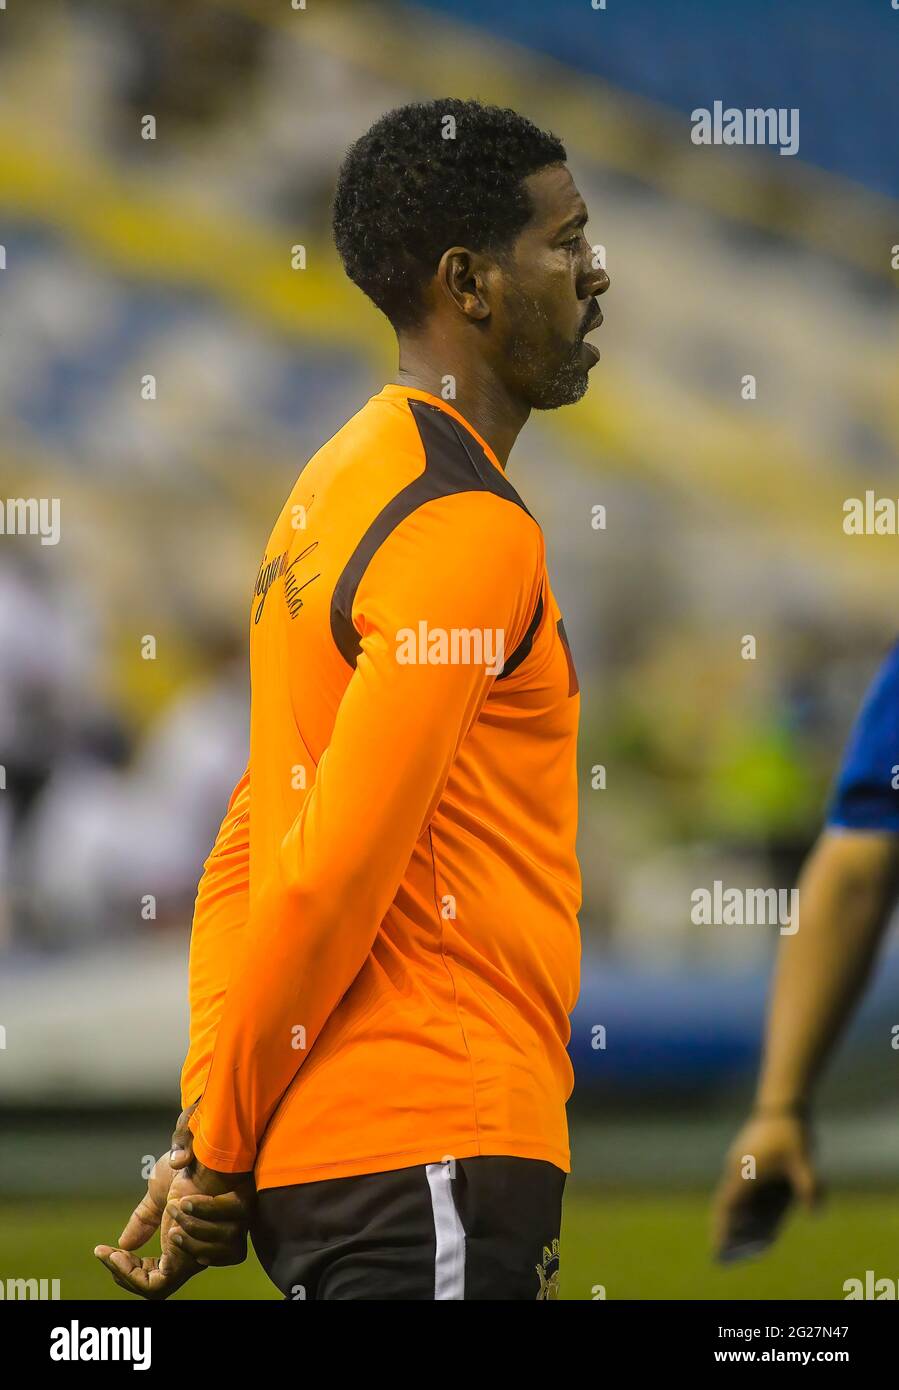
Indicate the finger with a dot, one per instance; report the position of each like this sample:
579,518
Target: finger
232,1252
211,1232
149,1281
141,1224
229,1206
116,1260
103,1252
145,1277
127,1270
175,1263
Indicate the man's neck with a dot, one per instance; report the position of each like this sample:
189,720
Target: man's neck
479,397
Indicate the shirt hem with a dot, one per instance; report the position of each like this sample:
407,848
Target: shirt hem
290,1173
221,1160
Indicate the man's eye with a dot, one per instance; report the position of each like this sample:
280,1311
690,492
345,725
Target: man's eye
573,240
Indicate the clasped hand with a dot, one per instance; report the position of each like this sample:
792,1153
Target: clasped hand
202,1217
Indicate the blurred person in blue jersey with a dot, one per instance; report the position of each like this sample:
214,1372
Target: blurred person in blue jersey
847,890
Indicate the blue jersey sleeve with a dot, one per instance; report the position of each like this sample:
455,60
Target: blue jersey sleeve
866,794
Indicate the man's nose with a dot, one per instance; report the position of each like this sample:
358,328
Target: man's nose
594,282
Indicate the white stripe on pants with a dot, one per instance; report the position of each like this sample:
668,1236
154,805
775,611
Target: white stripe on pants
449,1259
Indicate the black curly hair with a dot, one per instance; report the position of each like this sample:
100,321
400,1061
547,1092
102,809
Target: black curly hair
407,190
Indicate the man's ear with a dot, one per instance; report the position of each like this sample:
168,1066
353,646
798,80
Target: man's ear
461,276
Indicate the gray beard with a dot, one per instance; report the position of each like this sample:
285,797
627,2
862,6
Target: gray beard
565,386
568,384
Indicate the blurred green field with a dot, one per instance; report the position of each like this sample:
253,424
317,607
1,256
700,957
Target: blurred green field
635,1246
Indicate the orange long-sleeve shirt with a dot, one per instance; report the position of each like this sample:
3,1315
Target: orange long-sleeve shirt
385,947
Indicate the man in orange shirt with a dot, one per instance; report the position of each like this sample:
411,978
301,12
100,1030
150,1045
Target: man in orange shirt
385,946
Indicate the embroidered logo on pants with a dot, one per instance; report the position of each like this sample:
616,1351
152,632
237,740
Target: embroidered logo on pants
548,1272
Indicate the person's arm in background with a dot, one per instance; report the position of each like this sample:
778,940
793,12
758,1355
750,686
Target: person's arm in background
213,1229
847,889
472,562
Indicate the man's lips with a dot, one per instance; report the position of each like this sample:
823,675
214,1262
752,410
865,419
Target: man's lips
594,322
